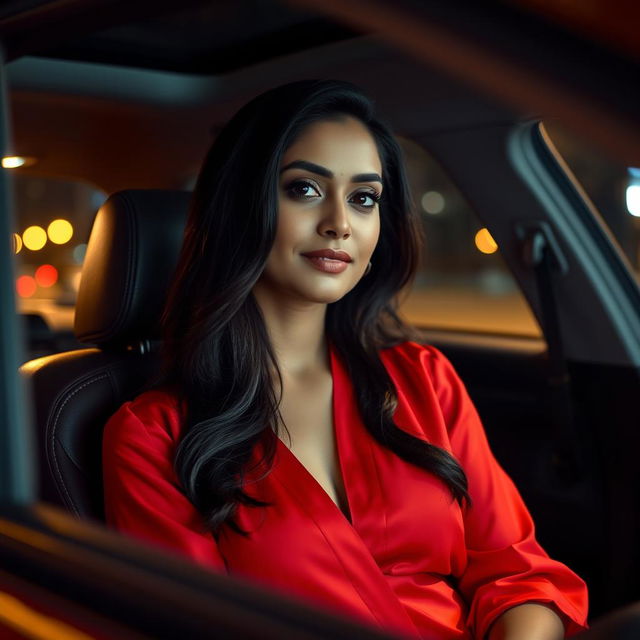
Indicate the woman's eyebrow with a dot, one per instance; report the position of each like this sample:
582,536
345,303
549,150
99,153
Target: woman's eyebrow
308,166
366,177
326,173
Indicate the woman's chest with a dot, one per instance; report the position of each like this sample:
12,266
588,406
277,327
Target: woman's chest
309,434
403,519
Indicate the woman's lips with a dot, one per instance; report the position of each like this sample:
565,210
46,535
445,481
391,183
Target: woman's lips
328,260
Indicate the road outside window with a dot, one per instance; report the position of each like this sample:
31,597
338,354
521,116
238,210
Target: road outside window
463,283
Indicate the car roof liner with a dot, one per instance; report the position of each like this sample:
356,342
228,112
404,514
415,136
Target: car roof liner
190,37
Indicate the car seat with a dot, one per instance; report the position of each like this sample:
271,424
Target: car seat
131,255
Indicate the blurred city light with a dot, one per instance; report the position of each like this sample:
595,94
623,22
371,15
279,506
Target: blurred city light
633,192
12,162
46,275
15,162
633,200
485,242
17,243
26,286
34,238
432,202
79,252
60,231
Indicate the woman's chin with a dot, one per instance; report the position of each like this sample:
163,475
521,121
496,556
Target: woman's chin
303,292
328,295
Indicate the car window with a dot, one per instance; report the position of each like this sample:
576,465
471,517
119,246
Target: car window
463,283
613,188
53,221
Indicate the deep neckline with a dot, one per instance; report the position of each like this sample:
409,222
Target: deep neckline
285,451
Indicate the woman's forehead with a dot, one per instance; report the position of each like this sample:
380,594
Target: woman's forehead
344,145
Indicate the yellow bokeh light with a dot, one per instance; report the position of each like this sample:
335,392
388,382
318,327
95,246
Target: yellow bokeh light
17,243
485,242
34,238
60,231
12,162
16,162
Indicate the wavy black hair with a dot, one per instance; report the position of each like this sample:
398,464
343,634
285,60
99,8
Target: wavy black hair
217,354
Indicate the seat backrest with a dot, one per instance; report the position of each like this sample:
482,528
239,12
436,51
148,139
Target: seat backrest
131,256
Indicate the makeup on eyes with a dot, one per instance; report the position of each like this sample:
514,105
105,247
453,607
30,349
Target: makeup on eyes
294,188
302,183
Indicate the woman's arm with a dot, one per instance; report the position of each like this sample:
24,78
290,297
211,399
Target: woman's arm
141,490
506,569
527,622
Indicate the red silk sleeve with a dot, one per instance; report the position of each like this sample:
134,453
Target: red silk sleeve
506,565
141,490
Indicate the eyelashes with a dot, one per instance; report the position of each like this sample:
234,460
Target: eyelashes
306,190
302,190
372,197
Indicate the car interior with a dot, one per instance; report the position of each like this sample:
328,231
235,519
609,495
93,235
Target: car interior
122,100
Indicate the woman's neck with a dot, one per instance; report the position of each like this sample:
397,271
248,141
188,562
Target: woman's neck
297,333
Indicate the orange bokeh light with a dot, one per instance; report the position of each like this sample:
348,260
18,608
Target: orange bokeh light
46,275
26,286
485,242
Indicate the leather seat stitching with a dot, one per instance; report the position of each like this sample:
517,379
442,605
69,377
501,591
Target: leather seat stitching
53,437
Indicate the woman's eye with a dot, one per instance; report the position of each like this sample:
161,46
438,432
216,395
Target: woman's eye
302,190
365,199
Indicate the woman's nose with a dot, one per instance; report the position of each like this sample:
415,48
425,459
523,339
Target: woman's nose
335,224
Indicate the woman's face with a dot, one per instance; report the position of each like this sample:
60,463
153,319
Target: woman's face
328,217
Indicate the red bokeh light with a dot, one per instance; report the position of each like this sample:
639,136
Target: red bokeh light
46,275
26,286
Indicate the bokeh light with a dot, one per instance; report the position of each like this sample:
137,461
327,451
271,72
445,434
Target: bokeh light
17,243
432,202
26,286
60,231
12,162
79,252
633,200
46,275
485,242
16,162
34,238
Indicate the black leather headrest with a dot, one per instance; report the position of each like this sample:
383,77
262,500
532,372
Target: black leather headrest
131,256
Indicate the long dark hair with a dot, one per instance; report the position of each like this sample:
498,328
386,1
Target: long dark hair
217,354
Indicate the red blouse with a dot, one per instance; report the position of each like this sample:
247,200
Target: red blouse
410,561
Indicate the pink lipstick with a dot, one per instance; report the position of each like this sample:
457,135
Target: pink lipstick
328,260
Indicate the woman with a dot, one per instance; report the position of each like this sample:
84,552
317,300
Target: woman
297,437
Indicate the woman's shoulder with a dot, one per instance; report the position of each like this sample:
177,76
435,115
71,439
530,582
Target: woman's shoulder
421,372
152,411
411,365
415,355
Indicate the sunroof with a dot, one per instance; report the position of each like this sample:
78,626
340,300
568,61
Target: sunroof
210,38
